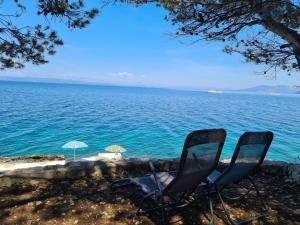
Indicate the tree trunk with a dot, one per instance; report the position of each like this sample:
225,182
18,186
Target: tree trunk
297,56
287,34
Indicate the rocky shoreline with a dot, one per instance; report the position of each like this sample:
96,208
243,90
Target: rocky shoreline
80,193
31,159
77,169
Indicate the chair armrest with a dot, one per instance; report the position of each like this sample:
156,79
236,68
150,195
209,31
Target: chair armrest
213,176
155,176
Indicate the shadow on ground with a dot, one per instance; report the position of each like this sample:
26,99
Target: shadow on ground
91,200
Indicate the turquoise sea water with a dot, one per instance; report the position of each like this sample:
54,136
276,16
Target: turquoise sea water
38,118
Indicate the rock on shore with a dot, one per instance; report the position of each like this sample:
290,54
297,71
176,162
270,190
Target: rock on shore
32,158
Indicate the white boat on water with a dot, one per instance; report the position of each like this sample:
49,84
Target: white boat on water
215,91
273,94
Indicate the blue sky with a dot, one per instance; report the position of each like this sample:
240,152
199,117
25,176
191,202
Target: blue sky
132,46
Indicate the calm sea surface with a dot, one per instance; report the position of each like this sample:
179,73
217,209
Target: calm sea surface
39,118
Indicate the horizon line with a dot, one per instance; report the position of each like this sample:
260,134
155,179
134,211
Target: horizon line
79,82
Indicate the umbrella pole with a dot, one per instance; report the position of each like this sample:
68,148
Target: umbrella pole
74,154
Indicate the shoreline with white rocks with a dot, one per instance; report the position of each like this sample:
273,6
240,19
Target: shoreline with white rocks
27,162
56,167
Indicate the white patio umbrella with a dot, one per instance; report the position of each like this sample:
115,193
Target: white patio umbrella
74,145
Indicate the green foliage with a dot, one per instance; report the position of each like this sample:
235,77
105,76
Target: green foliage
262,31
21,45
72,12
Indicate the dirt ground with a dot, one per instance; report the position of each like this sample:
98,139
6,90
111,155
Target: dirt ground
90,201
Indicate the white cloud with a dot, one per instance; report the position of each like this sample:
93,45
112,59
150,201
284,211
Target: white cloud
124,75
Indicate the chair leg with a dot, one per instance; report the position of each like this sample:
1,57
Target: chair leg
140,206
163,210
258,194
212,214
177,203
161,207
246,221
141,203
225,209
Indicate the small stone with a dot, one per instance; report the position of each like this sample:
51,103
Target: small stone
76,222
297,212
38,203
176,219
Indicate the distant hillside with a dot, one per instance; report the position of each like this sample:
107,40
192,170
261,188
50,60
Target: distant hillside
39,80
282,89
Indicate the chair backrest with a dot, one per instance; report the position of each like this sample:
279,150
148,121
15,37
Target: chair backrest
249,154
200,156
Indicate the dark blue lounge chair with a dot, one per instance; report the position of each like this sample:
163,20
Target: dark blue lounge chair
249,154
199,158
